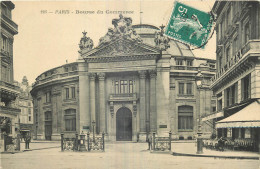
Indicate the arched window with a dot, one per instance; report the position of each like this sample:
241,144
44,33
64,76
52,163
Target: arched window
70,120
185,117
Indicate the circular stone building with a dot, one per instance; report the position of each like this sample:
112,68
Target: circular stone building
136,81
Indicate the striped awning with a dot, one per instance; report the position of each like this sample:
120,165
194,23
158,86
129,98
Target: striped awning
247,117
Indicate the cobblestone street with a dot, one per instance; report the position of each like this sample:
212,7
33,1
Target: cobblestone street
117,156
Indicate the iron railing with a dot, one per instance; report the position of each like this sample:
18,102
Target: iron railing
161,143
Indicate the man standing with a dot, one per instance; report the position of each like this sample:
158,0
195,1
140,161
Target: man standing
150,138
27,141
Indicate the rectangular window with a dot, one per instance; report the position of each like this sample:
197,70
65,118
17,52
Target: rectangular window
29,111
189,63
213,109
67,93
70,120
73,93
48,116
116,87
227,54
4,43
123,86
189,89
246,33
227,96
4,73
219,31
48,97
246,88
219,101
233,95
30,118
179,62
235,46
222,26
181,88
185,118
130,86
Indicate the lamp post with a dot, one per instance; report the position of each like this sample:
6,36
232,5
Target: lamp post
93,124
199,81
147,129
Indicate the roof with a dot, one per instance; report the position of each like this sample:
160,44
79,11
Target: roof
247,117
147,34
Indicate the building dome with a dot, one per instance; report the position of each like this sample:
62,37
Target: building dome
147,34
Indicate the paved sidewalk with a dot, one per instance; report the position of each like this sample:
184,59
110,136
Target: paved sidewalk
190,149
119,155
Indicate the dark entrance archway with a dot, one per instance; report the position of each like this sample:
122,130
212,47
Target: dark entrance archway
124,124
48,125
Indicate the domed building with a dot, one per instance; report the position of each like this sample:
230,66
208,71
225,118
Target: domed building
135,81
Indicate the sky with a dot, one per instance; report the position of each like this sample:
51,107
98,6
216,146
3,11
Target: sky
47,40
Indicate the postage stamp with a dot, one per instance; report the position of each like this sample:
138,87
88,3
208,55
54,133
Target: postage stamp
189,25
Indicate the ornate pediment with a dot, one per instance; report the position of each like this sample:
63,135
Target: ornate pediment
122,40
122,47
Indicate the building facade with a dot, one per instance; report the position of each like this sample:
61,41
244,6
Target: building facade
8,90
237,81
24,102
135,81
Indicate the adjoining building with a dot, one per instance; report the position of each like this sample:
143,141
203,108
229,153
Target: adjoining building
8,91
135,81
237,81
24,102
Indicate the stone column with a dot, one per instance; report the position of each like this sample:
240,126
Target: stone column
142,101
153,113
102,106
84,110
92,77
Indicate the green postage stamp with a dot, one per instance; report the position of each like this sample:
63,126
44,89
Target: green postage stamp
189,25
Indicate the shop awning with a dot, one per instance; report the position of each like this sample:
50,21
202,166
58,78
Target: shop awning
247,117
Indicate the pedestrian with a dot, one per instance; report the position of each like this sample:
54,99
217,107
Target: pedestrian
27,141
150,138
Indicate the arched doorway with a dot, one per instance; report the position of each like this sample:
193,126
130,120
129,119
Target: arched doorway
124,125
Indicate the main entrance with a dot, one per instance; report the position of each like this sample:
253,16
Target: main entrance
124,124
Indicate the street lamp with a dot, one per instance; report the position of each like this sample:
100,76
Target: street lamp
147,129
93,124
199,81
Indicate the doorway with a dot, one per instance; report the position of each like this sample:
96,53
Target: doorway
124,124
48,125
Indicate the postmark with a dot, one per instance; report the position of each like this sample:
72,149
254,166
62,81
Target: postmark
189,25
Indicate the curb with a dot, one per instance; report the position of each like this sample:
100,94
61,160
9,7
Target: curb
40,148
27,150
216,156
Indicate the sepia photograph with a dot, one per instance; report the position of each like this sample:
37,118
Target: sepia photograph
130,84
